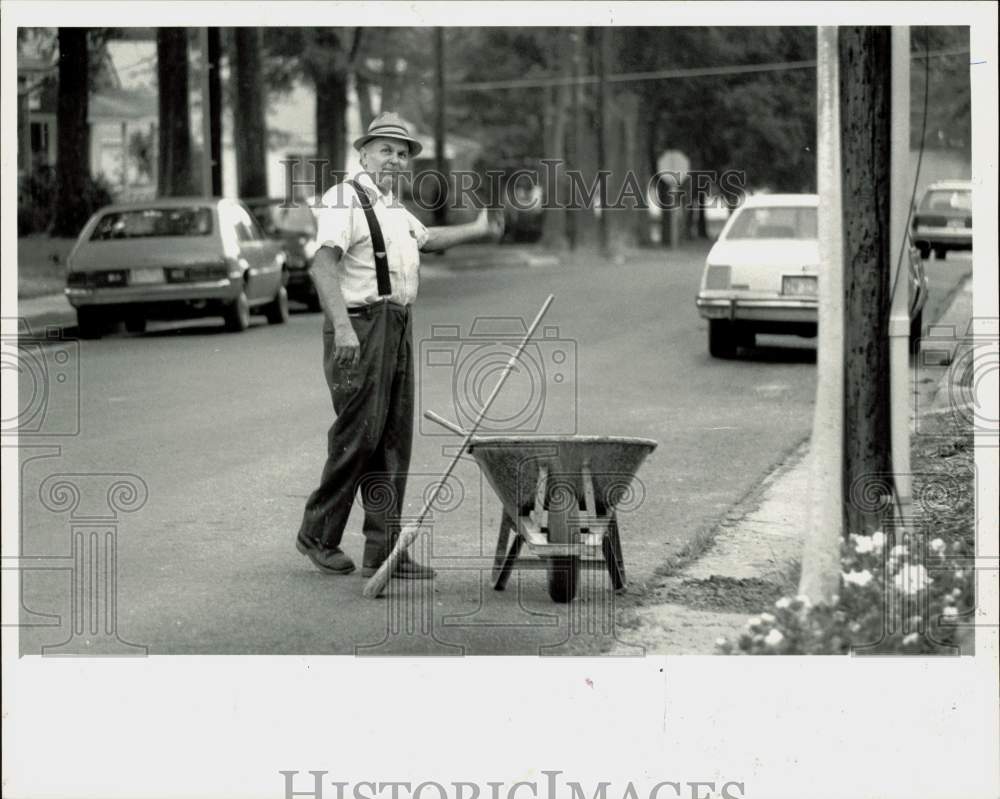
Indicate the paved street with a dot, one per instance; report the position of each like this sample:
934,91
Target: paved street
227,433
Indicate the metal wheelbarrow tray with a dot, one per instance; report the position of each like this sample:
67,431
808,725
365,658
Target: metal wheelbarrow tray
559,495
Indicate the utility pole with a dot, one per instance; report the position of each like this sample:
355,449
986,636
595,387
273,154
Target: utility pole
441,206
603,62
821,551
865,127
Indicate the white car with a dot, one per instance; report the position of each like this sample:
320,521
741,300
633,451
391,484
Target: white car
761,274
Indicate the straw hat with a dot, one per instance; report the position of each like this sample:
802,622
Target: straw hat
389,125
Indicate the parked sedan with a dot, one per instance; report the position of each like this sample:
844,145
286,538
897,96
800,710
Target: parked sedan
174,258
761,275
295,230
943,219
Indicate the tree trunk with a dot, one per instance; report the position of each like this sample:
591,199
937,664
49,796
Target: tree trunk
214,57
250,125
554,234
331,122
73,142
175,175
865,107
363,88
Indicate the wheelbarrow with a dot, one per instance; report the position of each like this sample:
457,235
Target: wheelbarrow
559,496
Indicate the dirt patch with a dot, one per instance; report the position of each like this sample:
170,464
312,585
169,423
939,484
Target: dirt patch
723,593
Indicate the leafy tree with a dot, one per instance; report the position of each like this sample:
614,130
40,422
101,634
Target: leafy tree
325,58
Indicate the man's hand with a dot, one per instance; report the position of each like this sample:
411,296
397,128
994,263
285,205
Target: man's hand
491,223
347,348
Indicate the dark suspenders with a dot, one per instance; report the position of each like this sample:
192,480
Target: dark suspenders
378,243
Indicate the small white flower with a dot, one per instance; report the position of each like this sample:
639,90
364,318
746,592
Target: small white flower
937,546
754,621
858,578
782,603
720,641
878,539
804,600
774,638
912,638
950,611
767,618
898,551
959,575
863,544
956,592
912,579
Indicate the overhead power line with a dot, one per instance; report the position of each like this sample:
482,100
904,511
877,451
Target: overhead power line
663,74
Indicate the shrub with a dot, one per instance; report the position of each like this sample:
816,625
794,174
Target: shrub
37,195
932,587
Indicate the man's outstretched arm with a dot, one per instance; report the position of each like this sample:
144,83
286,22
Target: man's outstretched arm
488,226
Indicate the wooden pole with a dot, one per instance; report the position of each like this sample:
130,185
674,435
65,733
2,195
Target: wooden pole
441,207
865,112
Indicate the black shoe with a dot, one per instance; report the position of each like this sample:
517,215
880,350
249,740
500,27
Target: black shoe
331,561
406,569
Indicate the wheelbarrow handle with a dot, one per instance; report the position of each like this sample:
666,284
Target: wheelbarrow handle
444,422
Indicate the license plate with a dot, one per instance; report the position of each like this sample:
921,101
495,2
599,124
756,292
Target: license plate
799,285
145,276
956,223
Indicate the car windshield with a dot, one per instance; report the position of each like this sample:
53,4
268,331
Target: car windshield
947,200
275,220
154,222
784,222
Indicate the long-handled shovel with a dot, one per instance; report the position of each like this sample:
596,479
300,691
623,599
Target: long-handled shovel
408,534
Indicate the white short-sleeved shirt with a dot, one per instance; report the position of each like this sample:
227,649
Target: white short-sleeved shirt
340,222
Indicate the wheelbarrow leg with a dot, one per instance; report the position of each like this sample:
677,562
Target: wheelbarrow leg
612,545
504,561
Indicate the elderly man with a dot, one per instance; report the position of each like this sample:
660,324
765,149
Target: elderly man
366,274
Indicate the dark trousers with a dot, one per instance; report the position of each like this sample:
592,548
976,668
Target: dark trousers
369,443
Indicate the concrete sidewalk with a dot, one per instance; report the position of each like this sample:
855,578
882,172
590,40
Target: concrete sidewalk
750,561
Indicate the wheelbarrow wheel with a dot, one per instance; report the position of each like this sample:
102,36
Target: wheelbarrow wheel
564,573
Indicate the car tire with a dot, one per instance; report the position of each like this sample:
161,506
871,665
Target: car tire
940,253
89,325
563,577
276,310
721,338
135,324
237,315
746,338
